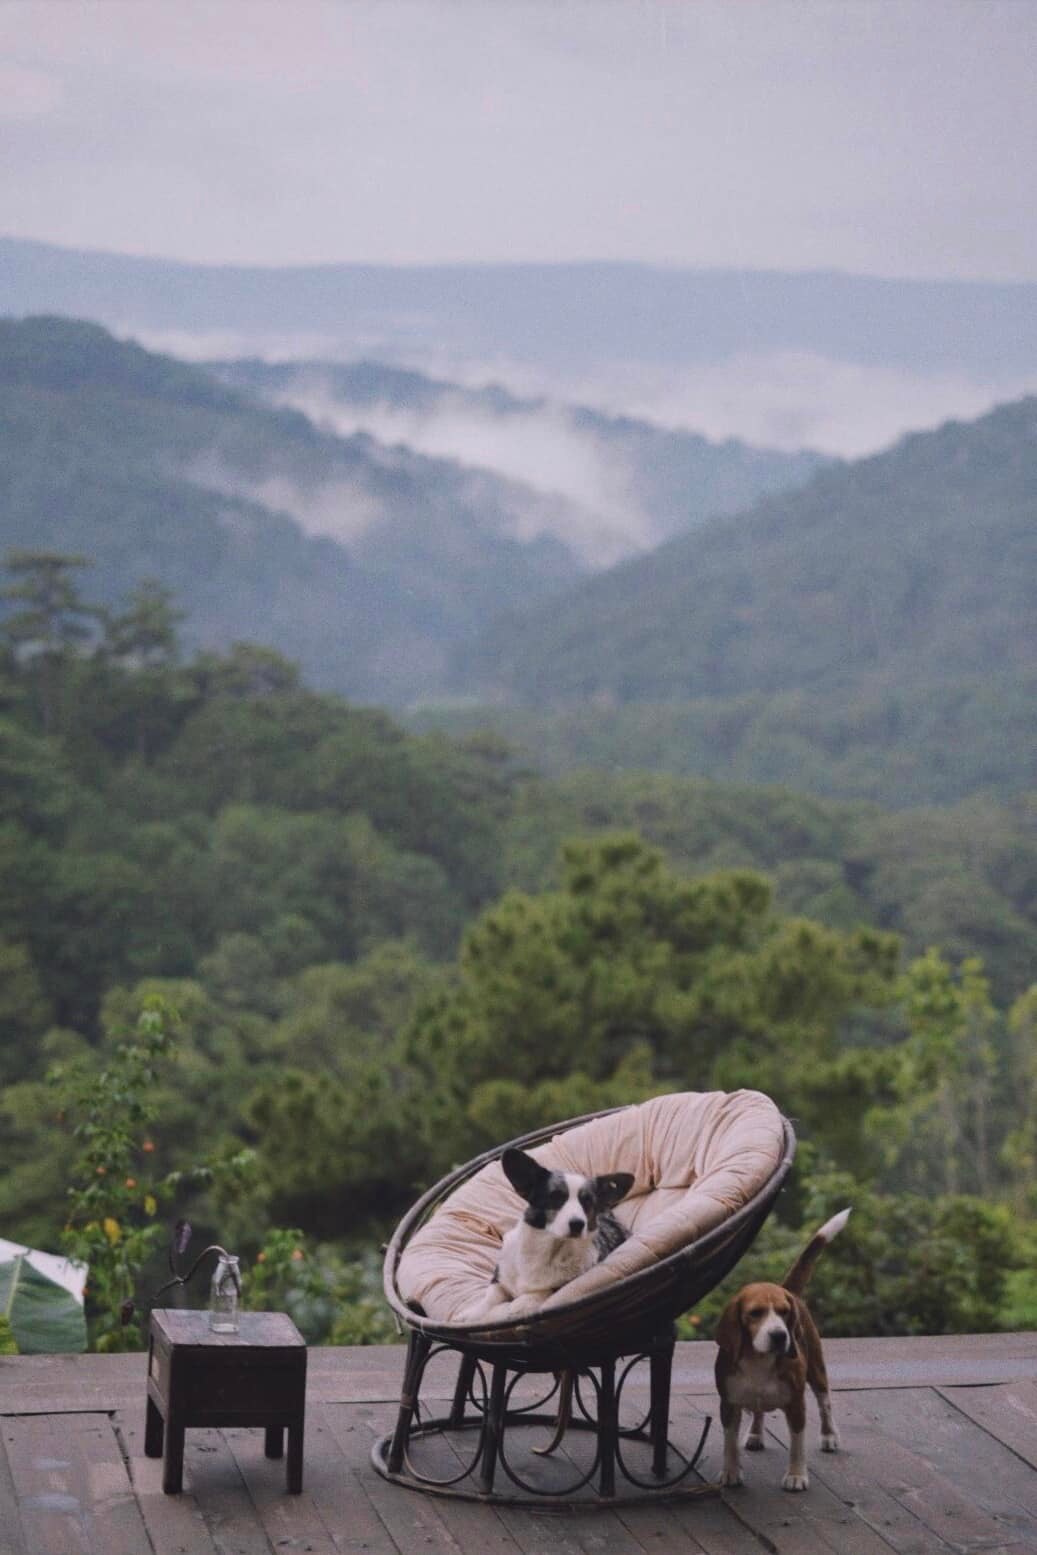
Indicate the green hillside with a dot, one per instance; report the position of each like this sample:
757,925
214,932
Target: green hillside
931,744
915,567
368,565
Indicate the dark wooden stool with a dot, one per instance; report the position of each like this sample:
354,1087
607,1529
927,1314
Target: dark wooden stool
198,1378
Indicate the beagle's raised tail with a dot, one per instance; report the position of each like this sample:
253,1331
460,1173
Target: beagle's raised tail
798,1276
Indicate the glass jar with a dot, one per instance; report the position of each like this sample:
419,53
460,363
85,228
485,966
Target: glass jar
225,1295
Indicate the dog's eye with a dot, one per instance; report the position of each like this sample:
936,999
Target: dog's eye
557,1197
586,1198
755,1312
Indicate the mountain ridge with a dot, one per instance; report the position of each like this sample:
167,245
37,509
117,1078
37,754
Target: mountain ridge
598,311
152,468
876,571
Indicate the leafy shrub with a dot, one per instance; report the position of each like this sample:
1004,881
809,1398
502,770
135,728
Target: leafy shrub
332,1299
904,1264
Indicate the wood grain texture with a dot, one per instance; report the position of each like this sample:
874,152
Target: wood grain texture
928,1467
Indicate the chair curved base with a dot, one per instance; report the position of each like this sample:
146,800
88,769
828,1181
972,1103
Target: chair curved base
486,1415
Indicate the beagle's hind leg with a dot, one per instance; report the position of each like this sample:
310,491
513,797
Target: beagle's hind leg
817,1381
829,1435
817,1378
754,1442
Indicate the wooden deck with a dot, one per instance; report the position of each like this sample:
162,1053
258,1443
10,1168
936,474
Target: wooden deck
939,1439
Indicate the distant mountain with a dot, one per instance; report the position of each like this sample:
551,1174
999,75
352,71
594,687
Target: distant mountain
915,567
369,565
573,315
629,484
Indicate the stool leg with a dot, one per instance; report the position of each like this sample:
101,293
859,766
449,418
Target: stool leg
173,1458
608,1428
153,1431
493,1425
417,1353
661,1365
295,1441
274,1443
465,1378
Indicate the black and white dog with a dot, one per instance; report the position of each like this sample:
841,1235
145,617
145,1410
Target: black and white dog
567,1227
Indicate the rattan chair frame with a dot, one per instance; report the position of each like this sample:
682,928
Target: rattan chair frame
634,1317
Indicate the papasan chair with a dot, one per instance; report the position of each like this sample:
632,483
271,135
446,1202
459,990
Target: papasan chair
707,1168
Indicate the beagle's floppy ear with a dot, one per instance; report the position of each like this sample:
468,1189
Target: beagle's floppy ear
730,1331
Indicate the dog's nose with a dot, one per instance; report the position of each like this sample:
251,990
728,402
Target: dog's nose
779,1340
576,1226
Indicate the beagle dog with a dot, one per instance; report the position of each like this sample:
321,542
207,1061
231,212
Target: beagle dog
770,1352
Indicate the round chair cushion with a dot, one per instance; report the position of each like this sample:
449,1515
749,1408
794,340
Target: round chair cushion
696,1156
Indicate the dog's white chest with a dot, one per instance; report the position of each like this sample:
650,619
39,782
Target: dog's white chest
531,1261
757,1386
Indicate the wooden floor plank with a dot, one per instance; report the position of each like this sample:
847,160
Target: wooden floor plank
212,1478
290,1522
12,1541
55,1384
339,1492
854,1476
715,1526
1007,1412
478,1526
891,1430
796,1524
74,1493
413,1522
538,1531
924,1471
846,1493
602,1532
968,1456
475,1525
175,1524
657,1529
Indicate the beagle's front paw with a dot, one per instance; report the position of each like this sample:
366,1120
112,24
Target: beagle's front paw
795,1482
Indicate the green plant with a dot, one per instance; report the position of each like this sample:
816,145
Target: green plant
113,1200
8,1346
333,1299
905,1264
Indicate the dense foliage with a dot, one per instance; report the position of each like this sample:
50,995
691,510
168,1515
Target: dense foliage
387,951
900,746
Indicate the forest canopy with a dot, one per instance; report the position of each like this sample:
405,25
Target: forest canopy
378,952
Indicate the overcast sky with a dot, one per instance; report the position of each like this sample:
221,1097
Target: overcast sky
891,137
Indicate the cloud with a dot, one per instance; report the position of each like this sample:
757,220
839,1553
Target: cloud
341,510
790,400
887,139
601,519
27,93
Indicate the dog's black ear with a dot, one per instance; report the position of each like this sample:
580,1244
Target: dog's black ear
522,1172
609,1190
